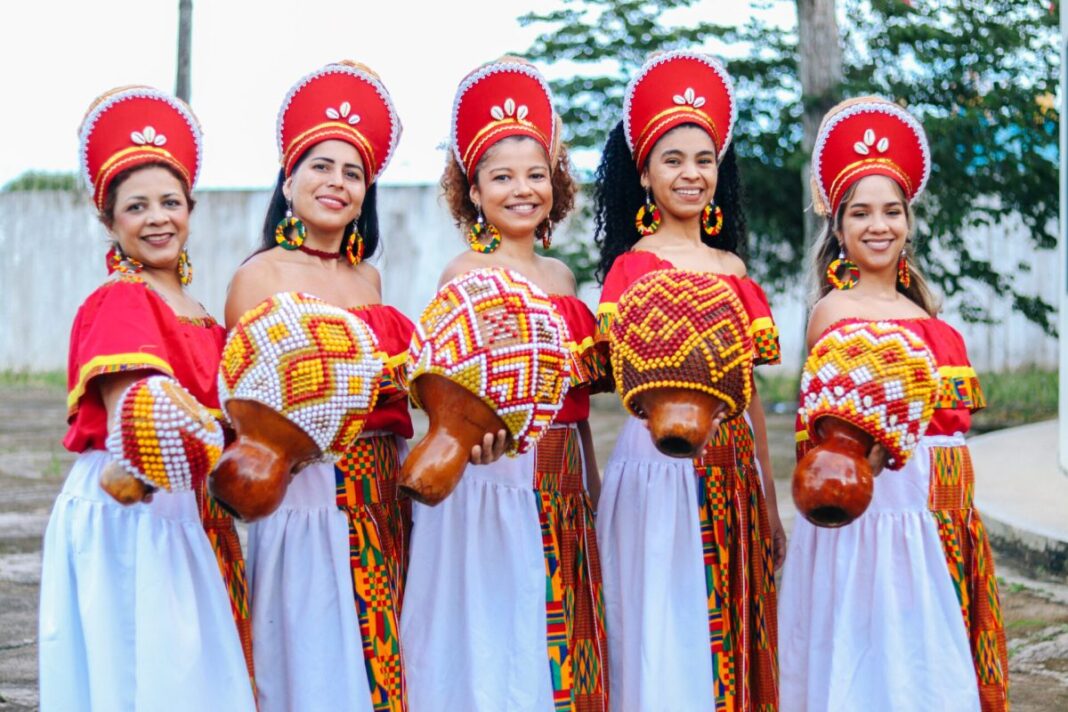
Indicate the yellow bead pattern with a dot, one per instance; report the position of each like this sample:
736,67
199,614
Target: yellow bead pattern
877,375
314,363
681,329
499,336
161,435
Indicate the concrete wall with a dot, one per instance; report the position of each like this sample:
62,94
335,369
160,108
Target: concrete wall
52,256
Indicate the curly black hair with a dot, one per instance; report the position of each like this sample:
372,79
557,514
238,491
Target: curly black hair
367,223
618,194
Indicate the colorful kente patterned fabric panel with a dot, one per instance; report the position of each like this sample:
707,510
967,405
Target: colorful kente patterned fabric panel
971,568
378,526
739,573
574,601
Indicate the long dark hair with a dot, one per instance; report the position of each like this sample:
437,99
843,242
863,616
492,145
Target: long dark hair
618,194
367,223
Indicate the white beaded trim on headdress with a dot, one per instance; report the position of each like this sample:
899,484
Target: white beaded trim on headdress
480,74
712,62
89,123
884,107
395,127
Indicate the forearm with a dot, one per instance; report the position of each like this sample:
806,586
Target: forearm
763,453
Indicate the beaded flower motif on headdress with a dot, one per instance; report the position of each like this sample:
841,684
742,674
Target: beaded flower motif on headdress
878,376
499,336
680,329
313,363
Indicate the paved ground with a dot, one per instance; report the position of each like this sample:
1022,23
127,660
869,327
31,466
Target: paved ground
32,467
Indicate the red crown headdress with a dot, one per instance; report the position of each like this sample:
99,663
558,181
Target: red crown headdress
674,88
134,126
508,97
343,101
863,137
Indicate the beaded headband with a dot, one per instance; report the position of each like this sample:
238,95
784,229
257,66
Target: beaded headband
499,336
675,88
344,101
679,329
315,364
135,126
162,436
876,375
863,137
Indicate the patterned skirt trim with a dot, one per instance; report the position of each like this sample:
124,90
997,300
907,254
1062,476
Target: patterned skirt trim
739,573
574,600
378,527
971,567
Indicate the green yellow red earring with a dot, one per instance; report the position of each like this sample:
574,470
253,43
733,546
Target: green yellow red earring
185,268
647,221
712,219
834,271
479,228
285,226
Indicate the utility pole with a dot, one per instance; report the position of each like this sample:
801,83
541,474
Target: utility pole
185,42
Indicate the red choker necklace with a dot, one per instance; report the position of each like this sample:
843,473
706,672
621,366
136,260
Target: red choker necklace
321,254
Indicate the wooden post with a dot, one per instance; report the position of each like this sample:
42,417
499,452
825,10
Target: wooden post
185,49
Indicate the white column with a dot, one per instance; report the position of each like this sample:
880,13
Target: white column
1062,253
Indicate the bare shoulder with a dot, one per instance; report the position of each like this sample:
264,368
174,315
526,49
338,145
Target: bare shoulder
830,309
732,263
561,278
463,262
370,274
249,286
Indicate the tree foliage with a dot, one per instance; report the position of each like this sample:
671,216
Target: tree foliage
41,180
980,75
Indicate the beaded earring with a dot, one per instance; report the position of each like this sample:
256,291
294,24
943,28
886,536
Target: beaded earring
904,277
545,234
118,261
834,270
651,211
185,268
478,229
712,219
289,222
354,246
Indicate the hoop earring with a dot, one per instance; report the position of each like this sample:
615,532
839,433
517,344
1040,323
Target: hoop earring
185,268
835,268
479,228
712,219
355,241
904,277
653,214
119,262
545,234
281,231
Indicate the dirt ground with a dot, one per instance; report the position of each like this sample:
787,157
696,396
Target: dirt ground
33,464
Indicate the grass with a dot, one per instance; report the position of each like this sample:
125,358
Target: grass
33,379
1016,398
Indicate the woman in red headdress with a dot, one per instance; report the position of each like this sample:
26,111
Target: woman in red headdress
326,569
134,612
899,609
689,546
503,605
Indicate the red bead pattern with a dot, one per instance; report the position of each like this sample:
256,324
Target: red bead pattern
314,363
161,435
876,375
680,329
499,336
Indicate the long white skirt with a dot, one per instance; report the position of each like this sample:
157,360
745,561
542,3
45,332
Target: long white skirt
306,640
134,612
656,598
473,625
868,617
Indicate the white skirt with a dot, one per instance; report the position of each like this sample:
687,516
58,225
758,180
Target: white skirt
473,625
868,617
134,612
656,598
306,640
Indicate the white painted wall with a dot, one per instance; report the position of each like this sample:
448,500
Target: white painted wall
52,256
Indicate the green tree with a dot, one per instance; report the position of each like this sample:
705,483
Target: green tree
978,73
41,180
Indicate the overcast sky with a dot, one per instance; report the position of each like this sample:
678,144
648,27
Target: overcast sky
57,56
